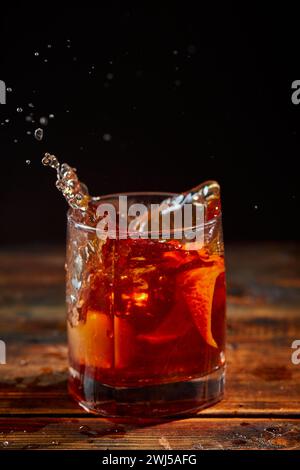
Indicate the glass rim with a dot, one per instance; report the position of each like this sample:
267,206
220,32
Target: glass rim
88,228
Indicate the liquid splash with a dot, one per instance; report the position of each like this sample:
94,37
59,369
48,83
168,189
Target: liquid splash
75,192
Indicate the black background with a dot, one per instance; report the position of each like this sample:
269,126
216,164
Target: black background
185,93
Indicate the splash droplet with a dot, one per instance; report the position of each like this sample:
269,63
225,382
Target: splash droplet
38,134
191,49
106,137
50,160
43,121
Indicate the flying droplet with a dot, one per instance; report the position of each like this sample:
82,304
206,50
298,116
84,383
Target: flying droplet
106,137
28,162
19,110
28,132
191,49
110,76
43,121
9,90
38,134
175,52
30,105
5,443
255,206
15,141
36,54
6,120
49,46
45,60
51,116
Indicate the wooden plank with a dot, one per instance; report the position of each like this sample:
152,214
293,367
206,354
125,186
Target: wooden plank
187,434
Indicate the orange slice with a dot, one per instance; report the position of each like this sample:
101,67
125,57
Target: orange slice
91,342
197,287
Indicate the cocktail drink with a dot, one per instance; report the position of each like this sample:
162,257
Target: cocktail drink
146,314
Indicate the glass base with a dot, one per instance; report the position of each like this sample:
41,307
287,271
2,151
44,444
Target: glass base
164,400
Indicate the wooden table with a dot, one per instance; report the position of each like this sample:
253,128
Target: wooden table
261,409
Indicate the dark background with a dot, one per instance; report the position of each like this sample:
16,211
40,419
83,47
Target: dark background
184,93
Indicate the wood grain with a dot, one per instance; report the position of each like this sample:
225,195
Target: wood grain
187,434
263,386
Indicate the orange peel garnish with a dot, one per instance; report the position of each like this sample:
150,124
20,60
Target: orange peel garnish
197,287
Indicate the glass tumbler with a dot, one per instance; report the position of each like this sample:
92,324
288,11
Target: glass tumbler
146,318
